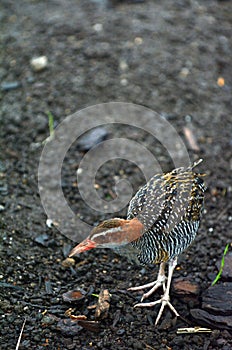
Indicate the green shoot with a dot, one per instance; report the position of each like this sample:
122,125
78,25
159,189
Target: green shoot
50,124
222,265
95,295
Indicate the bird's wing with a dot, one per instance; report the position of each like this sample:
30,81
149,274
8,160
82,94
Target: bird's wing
144,196
166,199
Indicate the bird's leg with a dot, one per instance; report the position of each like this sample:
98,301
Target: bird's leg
155,284
165,298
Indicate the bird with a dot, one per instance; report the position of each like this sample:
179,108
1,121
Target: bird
162,221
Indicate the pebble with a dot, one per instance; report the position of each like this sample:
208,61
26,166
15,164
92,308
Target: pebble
218,298
123,65
98,27
92,138
216,311
48,319
138,41
7,86
121,331
183,287
49,223
3,189
184,72
42,239
68,327
39,63
210,320
124,82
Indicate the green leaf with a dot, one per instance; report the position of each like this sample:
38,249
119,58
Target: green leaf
222,265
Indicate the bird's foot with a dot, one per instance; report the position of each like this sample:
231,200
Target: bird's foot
163,301
155,285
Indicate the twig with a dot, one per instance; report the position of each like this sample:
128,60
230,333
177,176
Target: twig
20,335
191,139
193,330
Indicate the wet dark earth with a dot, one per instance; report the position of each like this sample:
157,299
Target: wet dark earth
173,57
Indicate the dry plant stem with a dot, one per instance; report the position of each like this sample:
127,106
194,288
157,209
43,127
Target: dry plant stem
20,335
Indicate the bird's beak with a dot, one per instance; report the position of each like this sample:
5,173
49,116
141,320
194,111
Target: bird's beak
87,244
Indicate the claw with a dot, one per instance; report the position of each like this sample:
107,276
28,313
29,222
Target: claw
154,288
163,301
144,286
155,284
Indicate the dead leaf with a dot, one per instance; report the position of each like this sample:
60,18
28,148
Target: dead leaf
103,304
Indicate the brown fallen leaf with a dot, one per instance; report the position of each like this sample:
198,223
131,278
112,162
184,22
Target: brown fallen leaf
78,317
103,304
74,295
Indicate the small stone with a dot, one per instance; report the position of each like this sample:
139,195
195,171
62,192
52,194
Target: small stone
42,239
121,331
48,319
3,189
217,307
98,27
184,72
123,65
218,299
210,320
79,171
10,85
183,287
124,82
68,327
39,63
138,41
92,138
49,223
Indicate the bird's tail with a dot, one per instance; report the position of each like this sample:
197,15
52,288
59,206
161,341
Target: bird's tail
189,169
193,165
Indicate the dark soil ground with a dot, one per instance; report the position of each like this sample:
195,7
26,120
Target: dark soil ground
166,55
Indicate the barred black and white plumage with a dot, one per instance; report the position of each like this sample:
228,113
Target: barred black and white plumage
162,221
170,207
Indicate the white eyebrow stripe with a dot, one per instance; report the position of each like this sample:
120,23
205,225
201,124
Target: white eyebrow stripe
111,230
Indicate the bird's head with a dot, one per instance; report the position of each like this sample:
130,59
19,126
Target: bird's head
111,233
